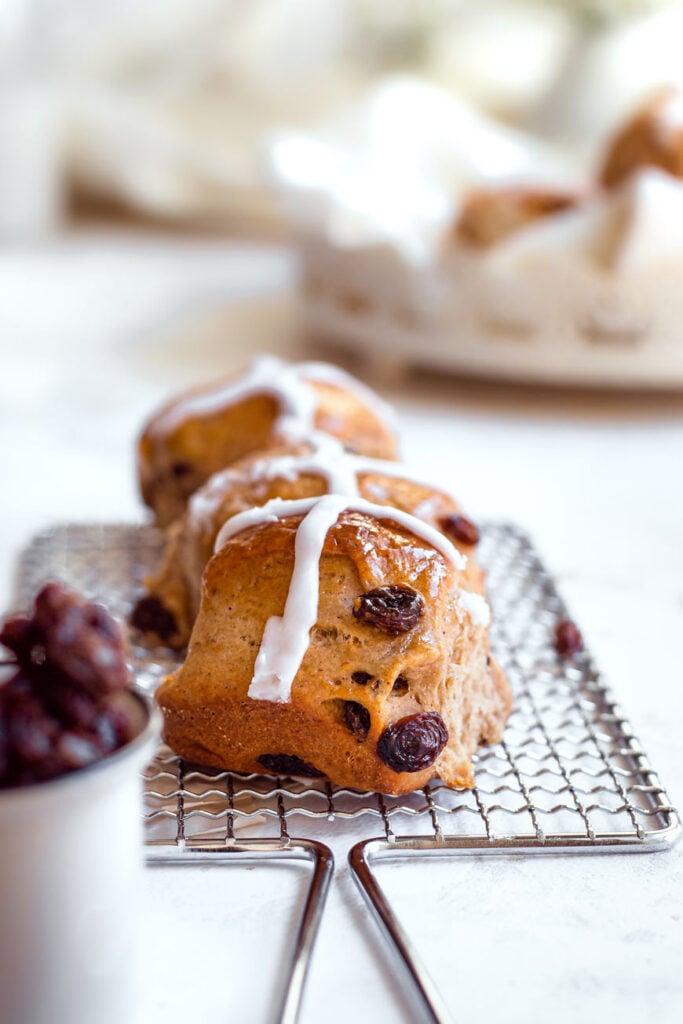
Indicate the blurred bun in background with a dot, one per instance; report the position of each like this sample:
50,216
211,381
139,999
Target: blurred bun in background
159,109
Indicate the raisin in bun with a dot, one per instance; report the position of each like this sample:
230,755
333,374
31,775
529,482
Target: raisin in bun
337,638
309,470
204,431
652,137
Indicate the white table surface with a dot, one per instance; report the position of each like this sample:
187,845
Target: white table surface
94,331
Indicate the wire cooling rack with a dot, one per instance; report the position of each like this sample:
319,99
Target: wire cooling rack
569,774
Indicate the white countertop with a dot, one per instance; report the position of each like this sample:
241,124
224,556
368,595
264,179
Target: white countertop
94,330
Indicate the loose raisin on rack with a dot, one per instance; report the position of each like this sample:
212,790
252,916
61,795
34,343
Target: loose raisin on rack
288,764
150,615
394,609
568,640
357,718
361,678
400,687
460,528
414,742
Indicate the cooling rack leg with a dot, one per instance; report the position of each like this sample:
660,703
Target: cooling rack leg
435,1010
323,866
163,854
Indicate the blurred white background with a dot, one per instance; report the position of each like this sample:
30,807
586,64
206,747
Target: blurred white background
161,107
132,140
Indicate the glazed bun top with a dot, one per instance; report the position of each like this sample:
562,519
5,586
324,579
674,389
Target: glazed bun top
652,137
384,573
272,403
319,467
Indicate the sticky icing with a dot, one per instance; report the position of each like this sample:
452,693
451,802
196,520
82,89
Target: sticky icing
286,637
476,607
288,384
327,458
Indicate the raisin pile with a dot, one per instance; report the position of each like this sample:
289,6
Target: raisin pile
59,709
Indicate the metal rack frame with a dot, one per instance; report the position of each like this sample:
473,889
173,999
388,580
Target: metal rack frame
285,850
365,854
570,775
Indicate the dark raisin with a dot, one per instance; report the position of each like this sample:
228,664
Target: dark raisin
70,705
19,635
31,733
460,528
357,718
362,678
150,615
98,618
4,747
76,750
568,640
414,742
393,609
400,687
59,711
80,641
106,733
288,764
181,469
120,721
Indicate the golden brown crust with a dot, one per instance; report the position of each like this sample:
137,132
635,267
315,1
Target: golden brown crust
172,464
644,141
209,717
190,541
489,215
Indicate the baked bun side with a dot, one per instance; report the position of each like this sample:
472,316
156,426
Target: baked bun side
382,700
489,215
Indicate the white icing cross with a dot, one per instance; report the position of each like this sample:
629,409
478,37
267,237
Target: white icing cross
288,384
327,458
286,637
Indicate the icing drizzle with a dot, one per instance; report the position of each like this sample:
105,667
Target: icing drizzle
286,637
288,383
327,458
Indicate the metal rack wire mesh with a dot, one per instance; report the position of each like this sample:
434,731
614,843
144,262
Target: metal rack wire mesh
569,766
